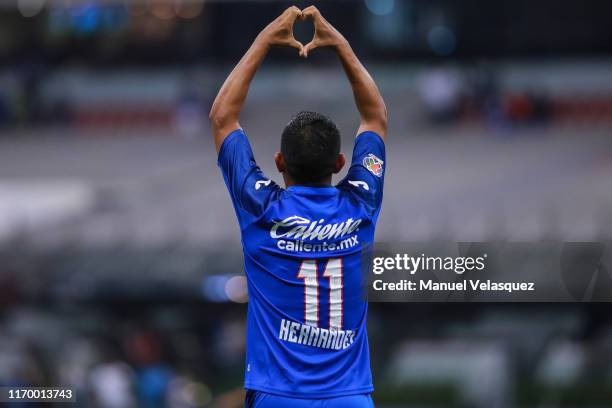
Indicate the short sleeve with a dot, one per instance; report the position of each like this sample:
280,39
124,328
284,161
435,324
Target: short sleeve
250,190
366,176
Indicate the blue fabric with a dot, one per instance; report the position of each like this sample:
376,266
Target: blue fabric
258,399
303,250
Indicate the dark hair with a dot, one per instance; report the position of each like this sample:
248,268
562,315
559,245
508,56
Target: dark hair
310,145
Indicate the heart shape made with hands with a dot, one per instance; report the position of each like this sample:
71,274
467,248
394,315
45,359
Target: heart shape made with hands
324,33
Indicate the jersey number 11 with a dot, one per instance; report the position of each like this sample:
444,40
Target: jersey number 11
333,272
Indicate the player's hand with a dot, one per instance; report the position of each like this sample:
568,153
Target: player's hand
325,34
279,33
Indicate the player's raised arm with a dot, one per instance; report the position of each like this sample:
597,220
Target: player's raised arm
367,97
226,108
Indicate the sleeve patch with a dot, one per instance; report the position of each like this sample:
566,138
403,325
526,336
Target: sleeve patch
373,164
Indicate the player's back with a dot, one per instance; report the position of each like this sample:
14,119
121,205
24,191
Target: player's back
303,249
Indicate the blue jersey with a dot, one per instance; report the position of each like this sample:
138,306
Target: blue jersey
306,324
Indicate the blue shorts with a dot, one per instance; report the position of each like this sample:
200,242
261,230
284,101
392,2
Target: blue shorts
258,399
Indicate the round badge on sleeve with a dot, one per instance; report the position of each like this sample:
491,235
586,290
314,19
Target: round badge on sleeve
373,164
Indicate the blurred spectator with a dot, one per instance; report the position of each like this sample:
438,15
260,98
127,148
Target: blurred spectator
153,377
153,384
230,344
484,94
112,384
189,114
186,392
440,90
532,107
74,364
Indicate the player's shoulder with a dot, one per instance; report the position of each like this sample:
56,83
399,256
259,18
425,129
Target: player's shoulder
371,136
369,142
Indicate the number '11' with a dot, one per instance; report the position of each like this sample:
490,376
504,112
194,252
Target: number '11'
333,271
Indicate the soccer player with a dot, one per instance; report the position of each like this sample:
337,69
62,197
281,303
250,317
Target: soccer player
307,344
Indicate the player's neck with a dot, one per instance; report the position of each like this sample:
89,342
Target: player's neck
289,182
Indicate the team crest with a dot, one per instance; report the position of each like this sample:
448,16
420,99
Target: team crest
373,164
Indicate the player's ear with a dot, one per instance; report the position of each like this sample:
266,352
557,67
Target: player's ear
280,162
340,162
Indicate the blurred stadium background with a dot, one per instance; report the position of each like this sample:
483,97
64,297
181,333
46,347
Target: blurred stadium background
120,263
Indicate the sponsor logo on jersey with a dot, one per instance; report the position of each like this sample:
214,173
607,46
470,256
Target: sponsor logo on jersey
299,234
373,164
260,183
359,183
296,227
